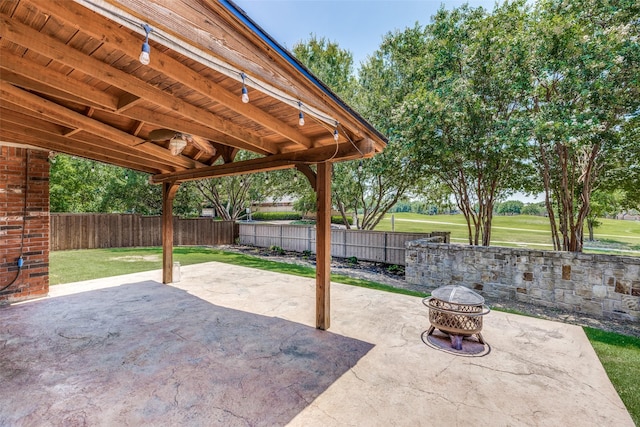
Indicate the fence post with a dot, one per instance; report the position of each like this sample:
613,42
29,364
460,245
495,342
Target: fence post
386,258
344,243
281,244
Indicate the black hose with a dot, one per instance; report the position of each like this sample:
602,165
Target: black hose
24,222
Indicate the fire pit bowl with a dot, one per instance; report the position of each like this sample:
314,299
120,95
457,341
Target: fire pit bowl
457,311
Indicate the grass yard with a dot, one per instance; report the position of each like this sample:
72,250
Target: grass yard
613,236
74,266
619,354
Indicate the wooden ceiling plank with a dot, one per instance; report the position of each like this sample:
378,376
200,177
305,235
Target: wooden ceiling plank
32,82
73,14
362,149
54,111
16,122
63,82
127,101
46,45
174,123
102,155
229,39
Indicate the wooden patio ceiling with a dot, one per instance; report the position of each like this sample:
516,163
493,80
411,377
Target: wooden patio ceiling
72,82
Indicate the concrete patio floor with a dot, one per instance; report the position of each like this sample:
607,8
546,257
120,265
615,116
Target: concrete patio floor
234,346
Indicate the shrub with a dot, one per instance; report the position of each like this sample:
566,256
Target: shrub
352,260
339,220
276,216
277,250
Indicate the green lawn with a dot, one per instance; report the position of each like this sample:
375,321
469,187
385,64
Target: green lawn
520,231
620,356
74,266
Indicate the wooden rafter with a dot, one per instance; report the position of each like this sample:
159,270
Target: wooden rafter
113,37
58,51
43,107
274,162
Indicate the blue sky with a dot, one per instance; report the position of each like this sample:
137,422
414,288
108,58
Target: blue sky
356,25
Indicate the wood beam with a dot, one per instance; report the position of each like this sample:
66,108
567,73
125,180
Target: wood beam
170,122
49,47
169,190
112,36
323,247
53,83
55,112
29,127
273,162
48,144
309,173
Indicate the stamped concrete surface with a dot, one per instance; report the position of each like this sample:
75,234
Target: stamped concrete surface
232,346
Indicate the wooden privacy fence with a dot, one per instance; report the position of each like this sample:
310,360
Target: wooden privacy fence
90,231
378,246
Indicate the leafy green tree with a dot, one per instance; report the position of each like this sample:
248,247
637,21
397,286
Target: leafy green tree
81,185
466,122
585,70
602,204
368,188
533,209
510,207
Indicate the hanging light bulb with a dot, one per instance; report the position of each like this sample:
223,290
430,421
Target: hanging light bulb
295,178
335,135
144,54
300,115
245,92
266,179
360,166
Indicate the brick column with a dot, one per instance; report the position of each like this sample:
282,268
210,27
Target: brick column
26,236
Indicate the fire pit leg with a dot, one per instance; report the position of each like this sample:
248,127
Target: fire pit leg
456,341
431,329
480,339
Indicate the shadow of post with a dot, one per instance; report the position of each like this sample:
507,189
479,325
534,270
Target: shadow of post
146,353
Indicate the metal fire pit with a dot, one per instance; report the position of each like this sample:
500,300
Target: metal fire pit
457,311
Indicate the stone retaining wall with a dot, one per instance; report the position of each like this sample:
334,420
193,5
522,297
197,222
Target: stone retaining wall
606,286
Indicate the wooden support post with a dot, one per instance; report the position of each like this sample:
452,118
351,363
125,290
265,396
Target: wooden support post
169,190
323,246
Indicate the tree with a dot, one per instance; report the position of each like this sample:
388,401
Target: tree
585,70
510,207
81,185
601,204
466,122
367,188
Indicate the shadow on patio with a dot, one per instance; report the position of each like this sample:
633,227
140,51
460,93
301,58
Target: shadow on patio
230,345
145,353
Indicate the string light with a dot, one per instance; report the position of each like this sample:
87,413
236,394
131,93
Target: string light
335,133
300,115
360,166
266,179
144,55
245,93
295,178
201,56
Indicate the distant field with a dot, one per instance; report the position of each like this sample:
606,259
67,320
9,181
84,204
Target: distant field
613,236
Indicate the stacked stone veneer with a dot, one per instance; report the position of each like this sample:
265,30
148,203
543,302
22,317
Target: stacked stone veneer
598,285
24,172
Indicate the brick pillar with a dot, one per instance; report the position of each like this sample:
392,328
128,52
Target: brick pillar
27,236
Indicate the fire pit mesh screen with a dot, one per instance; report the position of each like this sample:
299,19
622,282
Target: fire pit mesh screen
463,323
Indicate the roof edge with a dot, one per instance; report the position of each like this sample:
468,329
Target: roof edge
292,60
